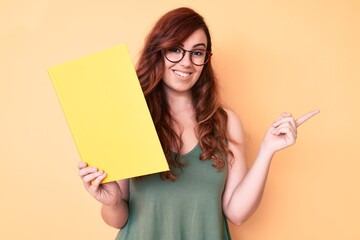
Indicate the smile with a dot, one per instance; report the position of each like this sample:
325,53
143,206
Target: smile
182,74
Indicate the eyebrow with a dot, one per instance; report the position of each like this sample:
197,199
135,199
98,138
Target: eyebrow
196,45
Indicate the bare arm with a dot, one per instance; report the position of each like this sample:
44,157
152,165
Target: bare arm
244,189
117,215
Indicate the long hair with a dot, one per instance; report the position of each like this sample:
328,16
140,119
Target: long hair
170,31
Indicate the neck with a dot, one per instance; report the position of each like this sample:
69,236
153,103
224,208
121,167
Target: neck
180,103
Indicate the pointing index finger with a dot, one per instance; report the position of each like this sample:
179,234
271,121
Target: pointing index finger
306,117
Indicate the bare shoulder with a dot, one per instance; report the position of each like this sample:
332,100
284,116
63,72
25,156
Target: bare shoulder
124,186
233,117
235,127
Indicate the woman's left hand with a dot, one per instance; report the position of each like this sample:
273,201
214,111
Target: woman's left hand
283,131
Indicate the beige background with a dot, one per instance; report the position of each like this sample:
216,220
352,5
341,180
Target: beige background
271,56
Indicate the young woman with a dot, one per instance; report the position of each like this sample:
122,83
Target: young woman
208,181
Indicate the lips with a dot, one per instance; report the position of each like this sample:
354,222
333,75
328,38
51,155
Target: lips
182,74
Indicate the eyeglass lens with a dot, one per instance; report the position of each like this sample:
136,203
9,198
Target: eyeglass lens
198,56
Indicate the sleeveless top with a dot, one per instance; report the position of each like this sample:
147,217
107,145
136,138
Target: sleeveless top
188,209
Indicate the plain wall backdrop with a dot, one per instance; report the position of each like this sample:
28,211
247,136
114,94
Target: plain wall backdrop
270,56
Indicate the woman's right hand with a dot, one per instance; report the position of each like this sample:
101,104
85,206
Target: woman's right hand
107,193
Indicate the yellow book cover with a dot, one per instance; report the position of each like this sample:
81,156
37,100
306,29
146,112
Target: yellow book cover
107,114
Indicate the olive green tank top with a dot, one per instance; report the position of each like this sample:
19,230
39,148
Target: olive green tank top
188,209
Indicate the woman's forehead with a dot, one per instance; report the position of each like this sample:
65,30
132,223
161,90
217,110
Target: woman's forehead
196,39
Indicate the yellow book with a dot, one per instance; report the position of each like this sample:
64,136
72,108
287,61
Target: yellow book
107,114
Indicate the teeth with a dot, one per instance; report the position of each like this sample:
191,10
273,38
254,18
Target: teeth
181,74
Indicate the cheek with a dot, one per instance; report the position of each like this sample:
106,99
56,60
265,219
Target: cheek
166,76
167,64
199,70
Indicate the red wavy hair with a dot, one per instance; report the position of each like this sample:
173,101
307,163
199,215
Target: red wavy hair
170,31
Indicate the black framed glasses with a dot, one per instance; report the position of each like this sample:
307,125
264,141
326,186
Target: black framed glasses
198,57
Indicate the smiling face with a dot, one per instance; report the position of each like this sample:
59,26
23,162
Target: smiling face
179,77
